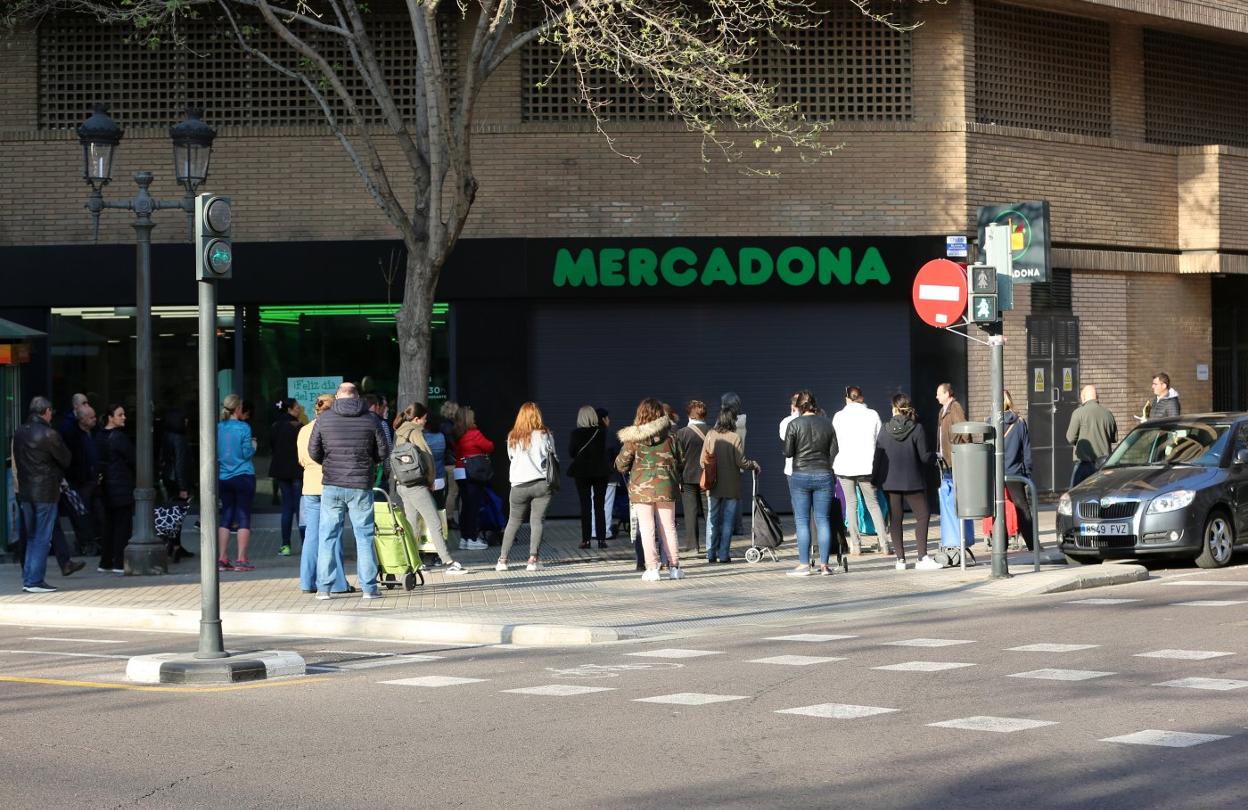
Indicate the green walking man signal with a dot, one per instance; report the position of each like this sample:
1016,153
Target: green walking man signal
214,247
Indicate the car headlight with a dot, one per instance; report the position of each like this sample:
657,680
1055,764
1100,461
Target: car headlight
1171,501
1064,505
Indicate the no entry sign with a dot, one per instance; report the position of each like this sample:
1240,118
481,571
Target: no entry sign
939,293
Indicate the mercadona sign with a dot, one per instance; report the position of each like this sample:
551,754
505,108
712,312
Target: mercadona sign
746,266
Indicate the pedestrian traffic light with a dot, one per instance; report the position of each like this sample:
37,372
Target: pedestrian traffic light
982,279
214,249
983,308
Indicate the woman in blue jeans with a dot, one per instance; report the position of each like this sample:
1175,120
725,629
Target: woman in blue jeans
236,482
810,442
724,443
310,509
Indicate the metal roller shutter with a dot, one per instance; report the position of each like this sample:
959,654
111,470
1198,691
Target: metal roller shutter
613,355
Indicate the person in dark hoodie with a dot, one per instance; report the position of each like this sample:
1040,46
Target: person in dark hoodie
1018,462
908,457
348,443
284,467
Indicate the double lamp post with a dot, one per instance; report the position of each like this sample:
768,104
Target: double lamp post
192,150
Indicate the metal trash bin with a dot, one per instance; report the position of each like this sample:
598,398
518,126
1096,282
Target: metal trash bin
973,468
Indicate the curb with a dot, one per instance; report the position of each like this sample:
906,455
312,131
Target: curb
316,625
1091,576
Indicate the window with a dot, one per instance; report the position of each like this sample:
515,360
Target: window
1195,91
1040,70
848,68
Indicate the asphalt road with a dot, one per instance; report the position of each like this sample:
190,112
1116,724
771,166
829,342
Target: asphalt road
951,708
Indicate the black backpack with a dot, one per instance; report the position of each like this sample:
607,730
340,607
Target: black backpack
409,465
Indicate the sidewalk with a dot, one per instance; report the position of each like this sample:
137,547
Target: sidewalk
576,597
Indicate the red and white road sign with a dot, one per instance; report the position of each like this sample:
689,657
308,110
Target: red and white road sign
939,293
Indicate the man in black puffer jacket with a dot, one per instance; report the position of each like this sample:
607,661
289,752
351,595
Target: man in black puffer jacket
348,443
41,458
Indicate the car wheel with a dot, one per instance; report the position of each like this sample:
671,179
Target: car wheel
1070,560
1217,541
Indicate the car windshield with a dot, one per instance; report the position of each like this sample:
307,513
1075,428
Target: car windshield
1198,443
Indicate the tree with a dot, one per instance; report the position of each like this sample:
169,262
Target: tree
693,54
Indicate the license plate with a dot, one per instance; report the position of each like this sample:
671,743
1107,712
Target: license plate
1105,528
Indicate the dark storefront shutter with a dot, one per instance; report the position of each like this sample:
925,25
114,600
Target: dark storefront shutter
612,355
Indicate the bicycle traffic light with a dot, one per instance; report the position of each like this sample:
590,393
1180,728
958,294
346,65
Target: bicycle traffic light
214,248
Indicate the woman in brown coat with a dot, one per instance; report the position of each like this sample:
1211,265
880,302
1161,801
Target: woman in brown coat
724,444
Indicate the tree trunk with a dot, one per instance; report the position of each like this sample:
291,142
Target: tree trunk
415,329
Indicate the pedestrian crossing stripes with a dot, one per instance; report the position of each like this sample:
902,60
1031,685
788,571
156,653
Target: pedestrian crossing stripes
558,690
1002,725
1053,648
1061,674
1166,739
674,653
1212,684
1212,603
691,699
795,660
929,642
838,711
812,638
924,666
1183,655
434,681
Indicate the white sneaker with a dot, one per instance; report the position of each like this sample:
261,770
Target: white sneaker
676,573
533,565
323,595
500,566
473,545
927,564
651,575
455,569
800,571
900,565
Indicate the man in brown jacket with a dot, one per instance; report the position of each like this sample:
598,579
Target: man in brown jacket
951,412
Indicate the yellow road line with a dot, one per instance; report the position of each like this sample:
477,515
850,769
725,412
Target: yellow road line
140,688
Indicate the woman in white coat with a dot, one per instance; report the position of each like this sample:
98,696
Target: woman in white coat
857,428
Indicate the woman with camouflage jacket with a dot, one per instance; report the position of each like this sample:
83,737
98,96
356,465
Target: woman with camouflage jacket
652,460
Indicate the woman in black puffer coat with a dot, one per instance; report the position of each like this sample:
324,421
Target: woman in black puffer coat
588,451
117,463
909,457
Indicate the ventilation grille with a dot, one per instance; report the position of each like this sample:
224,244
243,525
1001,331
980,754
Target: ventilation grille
848,68
1195,91
82,62
1055,295
1040,70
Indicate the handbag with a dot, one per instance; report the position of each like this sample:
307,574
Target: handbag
72,498
479,468
710,469
552,471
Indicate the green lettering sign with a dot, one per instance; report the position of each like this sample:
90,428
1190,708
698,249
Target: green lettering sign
641,266
718,269
682,276
806,266
611,267
575,273
872,268
755,266
839,264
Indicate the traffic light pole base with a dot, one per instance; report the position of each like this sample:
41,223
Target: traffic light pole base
185,668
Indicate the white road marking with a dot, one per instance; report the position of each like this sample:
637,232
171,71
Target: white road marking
674,653
558,690
837,711
794,660
434,681
924,666
1181,581
809,637
1184,655
1214,684
1003,725
388,661
928,642
77,640
1062,674
1212,603
379,654
1052,648
1101,601
690,699
65,654
1166,739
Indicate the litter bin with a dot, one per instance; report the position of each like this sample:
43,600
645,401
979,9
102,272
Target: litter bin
973,467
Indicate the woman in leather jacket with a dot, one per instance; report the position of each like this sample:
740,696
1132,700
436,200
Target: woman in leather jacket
810,442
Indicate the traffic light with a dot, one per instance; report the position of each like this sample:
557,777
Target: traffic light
982,279
983,309
214,248
983,305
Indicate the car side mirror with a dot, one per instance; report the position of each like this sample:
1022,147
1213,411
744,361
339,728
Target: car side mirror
1241,455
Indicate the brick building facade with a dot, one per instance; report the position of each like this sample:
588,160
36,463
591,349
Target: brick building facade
1068,101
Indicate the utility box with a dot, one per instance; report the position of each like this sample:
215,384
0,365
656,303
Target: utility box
973,470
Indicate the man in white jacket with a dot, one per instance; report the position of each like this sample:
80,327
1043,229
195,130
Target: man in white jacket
857,427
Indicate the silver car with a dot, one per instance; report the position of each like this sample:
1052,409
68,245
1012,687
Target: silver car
1173,487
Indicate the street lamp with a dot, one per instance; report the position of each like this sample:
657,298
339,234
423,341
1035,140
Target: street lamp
192,148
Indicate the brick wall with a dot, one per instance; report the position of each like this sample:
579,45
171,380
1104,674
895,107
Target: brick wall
19,81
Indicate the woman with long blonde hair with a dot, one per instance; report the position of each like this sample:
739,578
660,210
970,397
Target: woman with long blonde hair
530,449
